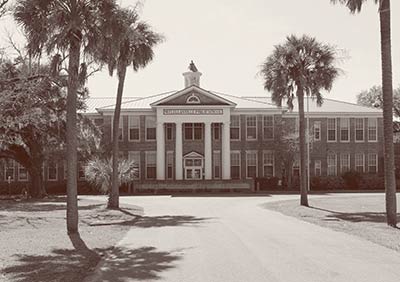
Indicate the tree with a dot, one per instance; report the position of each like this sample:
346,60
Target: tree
387,93
288,149
3,9
127,42
66,25
373,98
99,172
301,66
32,120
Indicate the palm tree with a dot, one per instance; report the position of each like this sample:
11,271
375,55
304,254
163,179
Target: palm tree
301,66
128,41
66,25
387,89
99,173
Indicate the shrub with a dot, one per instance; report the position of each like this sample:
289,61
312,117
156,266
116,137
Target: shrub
327,183
352,179
268,183
99,172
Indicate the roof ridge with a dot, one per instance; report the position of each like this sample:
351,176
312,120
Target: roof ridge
244,98
140,98
350,103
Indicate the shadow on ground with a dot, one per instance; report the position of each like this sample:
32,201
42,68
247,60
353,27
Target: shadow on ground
159,221
378,217
74,264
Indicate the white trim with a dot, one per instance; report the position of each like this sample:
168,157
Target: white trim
129,128
319,167
48,174
264,164
327,130
192,88
376,130
255,152
348,129
363,161
317,124
218,153
155,163
19,167
327,163
236,152
238,127
155,128
376,161
355,130
247,127
263,127
348,162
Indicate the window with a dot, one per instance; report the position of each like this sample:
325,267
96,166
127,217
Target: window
344,163
150,128
372,163
372,129
22,173
251,164
235,127
134,156
169,131
359,129
331,129
317,131
193,99
216,131
151,165
134,128
65,169
170,165
344,129
193,131
9,170
332,164
251,127
52,171
317,167
217,164
235,165
268,127
268,163
359,162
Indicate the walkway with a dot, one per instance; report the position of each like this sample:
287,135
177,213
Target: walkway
234,239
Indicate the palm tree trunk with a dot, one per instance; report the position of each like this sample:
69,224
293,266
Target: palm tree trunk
303,149
113,200
387,89
72,142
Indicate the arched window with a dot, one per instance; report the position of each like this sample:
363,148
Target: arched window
193,99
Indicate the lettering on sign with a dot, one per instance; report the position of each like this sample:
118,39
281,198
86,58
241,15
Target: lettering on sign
193,111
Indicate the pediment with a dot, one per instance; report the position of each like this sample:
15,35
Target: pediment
193,155
193,96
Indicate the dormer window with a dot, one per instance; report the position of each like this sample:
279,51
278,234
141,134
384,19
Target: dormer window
193,99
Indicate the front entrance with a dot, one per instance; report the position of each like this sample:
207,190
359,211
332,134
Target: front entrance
193,166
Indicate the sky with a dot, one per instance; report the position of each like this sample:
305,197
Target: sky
229,39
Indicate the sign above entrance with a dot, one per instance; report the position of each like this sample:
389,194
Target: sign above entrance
193,111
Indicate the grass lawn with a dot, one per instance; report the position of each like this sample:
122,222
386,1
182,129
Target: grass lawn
359,215
35,246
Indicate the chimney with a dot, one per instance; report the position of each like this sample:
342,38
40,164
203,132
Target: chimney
192,77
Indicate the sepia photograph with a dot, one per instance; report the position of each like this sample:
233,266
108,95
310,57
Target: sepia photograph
199,141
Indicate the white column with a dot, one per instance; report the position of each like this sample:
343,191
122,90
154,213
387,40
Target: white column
178,151
207,151
226,151
160,151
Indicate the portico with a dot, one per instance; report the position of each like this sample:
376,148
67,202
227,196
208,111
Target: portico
191,110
